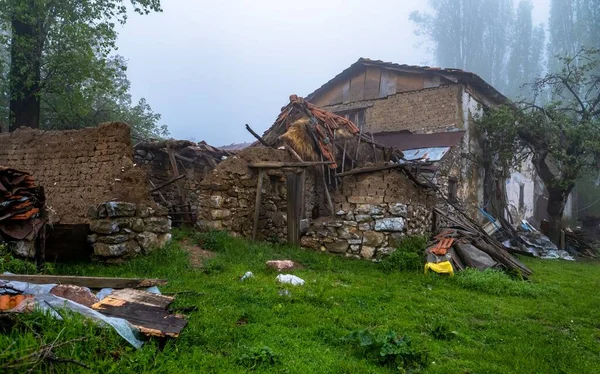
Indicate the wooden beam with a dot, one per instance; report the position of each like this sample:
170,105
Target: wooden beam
369,169
259,184
90,282
183,158
260,139
160,187
173,144
294,153
279,164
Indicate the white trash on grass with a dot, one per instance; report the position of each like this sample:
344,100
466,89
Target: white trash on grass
246,275
291,279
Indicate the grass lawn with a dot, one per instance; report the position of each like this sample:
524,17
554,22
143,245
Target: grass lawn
471,323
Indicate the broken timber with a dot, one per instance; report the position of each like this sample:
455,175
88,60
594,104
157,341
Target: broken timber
90,282
146,311
279,164
160,187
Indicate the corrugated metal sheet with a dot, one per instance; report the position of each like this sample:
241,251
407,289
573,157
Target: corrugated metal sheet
406,140
426,154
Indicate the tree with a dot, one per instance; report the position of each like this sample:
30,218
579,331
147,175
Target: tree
562,137
56,45
573,24
525,61
103,98
469,34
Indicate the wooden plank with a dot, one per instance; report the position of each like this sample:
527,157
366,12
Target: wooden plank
327,195
259,184
369,169
294,188
279,164
150,320
302,193
90,282
294,153
167,183
372,79
142,297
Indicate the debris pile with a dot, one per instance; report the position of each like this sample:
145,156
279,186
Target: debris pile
577,245
465,244
21,210
130,306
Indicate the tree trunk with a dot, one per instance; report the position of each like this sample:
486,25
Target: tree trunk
557,199
25,71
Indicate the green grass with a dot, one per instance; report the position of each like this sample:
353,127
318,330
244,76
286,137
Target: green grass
471,323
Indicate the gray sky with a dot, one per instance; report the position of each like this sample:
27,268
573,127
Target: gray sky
209,67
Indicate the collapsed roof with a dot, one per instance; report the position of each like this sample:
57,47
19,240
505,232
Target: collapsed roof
316,134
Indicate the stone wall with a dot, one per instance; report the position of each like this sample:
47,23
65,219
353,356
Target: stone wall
228,195
123,230
374,211
77,168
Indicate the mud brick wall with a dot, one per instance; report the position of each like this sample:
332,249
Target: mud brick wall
374,212
158,168
427,110
77,168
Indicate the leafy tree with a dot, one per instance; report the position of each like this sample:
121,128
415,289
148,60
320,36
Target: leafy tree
60,55
573,24
525,61
562,137
469,34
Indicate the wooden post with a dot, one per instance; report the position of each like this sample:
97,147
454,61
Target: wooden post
294,203
302,193
327,195
175,170
259,184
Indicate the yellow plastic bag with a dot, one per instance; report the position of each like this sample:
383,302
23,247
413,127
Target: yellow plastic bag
444,267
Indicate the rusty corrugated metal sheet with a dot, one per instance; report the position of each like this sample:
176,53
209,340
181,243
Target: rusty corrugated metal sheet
404,140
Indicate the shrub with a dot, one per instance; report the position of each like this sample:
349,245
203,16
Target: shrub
441,330
214,240
389,349
257,357
409,256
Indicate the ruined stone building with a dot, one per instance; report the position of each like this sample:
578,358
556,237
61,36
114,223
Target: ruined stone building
399,103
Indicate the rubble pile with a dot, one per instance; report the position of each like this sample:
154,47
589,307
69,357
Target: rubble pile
21,211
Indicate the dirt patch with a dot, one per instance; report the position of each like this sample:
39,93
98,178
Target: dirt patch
197,254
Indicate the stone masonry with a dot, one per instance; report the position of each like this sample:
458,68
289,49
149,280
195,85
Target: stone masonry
373,212
124,230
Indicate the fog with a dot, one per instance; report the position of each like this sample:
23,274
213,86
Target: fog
209,67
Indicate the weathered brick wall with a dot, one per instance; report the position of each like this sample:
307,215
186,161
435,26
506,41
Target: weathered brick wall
426,110
373,212
78,168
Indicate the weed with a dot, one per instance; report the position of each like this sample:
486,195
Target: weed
257,357
389,349
11,264
441,330
495,282
409,256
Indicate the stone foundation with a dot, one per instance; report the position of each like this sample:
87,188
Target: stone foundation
374,211
124,230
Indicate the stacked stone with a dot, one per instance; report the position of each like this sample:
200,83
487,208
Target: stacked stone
229,205
124,230
366,231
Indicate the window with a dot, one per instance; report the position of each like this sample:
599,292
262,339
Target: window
356,116
521,197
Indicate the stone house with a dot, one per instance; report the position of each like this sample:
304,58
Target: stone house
386,99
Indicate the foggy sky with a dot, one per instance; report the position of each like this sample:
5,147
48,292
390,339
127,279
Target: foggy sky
209,67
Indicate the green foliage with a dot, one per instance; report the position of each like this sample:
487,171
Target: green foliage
441,329
389,349
496,282
258,357
409,256
67,58
11,264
